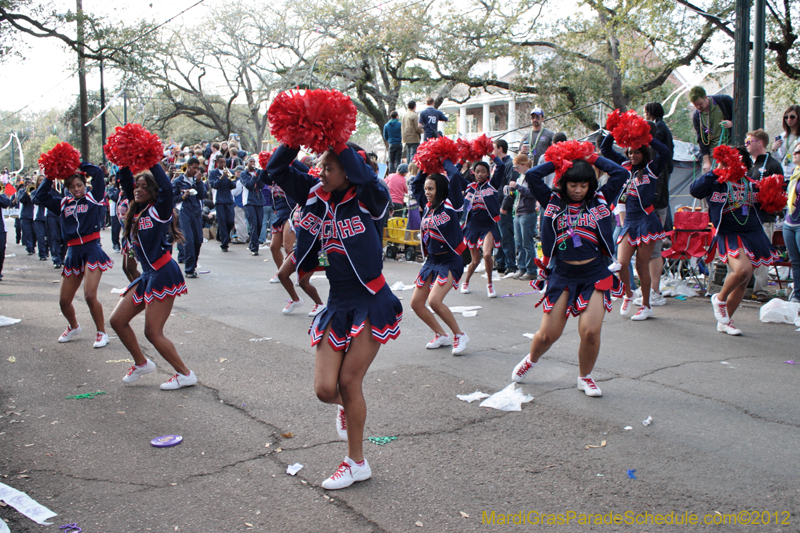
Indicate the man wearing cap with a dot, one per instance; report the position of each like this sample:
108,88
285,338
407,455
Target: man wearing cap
398,188
539,139
223,200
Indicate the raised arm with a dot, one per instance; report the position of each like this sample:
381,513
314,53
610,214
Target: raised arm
607,149
617,176
126,183
418,188
662,155
164,201
499,173
373,197
703,186
98,191
535,180
456,192
281,170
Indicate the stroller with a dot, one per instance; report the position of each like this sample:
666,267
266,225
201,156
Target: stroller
691,236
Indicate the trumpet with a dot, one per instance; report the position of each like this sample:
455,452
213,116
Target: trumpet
227,173
31,188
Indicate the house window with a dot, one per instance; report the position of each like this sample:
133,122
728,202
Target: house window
472,124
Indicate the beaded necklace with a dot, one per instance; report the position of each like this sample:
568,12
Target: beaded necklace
572,224
745,204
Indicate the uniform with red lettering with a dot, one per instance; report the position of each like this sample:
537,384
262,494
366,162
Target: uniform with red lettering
148,222
82,216
338,230
483,212
443,243
577,232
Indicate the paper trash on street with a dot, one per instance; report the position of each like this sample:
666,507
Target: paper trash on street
508,399
5,321
466,310
469,398
293,469
400,286
25,505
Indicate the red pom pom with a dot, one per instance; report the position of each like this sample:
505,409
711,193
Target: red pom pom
482,146
315,119
61,162
263,158
631,131
430,154
730,166
564,153
771,195
464,149
134,147
314,171
613,120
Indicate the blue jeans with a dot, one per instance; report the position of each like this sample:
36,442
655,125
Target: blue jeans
791,235
269,218
524,234
508,259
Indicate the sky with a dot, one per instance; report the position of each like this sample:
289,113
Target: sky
40,80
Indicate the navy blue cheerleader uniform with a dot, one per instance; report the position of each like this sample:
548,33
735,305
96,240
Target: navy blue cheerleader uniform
734,213
122,211
641,225
338,230
483,208
161,276
577,232
81,223
441,230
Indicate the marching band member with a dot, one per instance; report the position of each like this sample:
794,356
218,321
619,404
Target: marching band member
253,201
189,191
224,182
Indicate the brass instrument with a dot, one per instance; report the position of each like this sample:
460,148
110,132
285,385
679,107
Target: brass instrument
227,173
31,188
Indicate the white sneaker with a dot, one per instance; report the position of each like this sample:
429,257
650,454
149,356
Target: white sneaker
625,308
69,333
439,341
317,309
179,380
102,339
347,474
341,423
460,343
465,288
657,299
587,385
275,279
720,310
136,372
522,369
729,328
490,291
643,313
292,305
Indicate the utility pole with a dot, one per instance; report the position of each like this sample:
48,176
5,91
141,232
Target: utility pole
741,72
125,106
12,151
759,44
84,102
102,106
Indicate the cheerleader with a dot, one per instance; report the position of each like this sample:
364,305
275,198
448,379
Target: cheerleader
82,216
642,227
282,239
148,222
577,234
443,198
338,231
732,209
483,213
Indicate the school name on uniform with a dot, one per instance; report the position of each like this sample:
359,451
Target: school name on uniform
481,192
145,223
721,197
339,229
73,209
587,219
435,220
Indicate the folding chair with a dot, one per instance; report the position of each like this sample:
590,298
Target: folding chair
691,236
780,245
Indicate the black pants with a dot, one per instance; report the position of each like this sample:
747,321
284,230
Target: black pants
2,251
41,237
192,228
255,217
55,240
28,234
395,156
225,220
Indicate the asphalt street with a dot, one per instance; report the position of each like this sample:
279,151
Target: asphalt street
722,443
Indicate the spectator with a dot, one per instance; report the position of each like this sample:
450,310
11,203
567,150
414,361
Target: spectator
398,188
539,139
791,224
524,221
411,132
784,145
763,165
712,119
393,137
429,120
506,255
